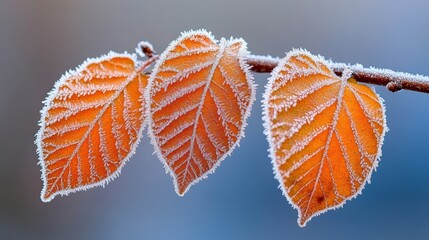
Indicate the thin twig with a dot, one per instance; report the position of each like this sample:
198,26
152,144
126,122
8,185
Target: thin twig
394,81
147,62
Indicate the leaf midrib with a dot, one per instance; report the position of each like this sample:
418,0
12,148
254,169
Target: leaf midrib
328,140
223,44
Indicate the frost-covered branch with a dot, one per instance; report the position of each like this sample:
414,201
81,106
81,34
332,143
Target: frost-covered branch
394,81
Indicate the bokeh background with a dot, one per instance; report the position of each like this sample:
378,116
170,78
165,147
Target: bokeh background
41,39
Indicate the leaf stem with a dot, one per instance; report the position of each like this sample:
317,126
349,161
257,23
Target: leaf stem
394,81
145,64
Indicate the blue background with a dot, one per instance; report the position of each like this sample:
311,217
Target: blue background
40,40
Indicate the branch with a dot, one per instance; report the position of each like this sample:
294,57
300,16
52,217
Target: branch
394,81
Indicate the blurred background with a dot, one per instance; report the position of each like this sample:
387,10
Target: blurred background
40,40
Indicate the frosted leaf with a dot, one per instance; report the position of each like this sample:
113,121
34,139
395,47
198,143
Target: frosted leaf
325,133
200,95
91,124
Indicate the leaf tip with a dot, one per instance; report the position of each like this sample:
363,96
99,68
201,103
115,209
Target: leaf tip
302,222
46,197
181,189
181,192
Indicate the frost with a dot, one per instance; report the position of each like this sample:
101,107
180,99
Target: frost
264,60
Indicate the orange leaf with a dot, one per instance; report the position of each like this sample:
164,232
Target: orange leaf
200,95
90,125
325,133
